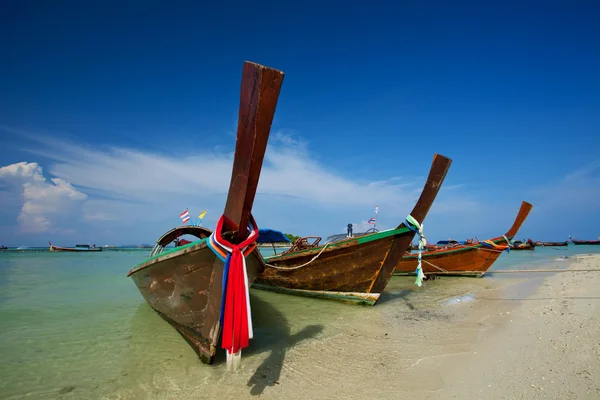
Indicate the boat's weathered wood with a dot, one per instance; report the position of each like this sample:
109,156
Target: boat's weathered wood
259,94
436,177
355,269
521,217
184,285
470,259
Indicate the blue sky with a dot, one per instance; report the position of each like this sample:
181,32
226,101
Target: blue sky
116,117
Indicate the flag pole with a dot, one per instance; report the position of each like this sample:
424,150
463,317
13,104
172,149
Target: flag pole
376,211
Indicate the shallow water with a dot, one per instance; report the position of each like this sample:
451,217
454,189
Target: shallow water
74,326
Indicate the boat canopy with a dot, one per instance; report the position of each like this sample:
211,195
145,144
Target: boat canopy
199,231
271,236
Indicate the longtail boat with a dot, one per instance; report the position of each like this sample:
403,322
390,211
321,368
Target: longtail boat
355,269
522,245
550,244
201,288
584,241
469,259
78,248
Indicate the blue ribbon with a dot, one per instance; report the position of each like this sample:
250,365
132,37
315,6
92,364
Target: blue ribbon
224,286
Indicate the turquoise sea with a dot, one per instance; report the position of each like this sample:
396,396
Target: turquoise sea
72,325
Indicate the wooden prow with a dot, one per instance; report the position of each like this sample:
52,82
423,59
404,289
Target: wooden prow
521,217
258,99
436,177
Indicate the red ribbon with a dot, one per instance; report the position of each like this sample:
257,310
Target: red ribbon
235,319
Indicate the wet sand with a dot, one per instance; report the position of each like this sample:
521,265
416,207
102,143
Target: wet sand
508,336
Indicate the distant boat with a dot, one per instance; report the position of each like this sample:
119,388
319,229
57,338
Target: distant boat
78,248
551,244
585,241
520,245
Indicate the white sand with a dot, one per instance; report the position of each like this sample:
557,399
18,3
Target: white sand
548,347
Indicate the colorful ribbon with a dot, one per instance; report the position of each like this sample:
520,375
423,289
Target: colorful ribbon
414,226
496,246
236,317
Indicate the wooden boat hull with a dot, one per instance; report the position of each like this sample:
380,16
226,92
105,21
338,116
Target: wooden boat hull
345,271
468,260
588,242
184,286
356,269
551,244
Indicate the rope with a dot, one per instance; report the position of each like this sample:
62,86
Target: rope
298,266
235,317
435,266
414,226
509,271
543,270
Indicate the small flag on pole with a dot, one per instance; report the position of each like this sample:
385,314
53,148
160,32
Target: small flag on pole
376,209
185,216
372,221
201,217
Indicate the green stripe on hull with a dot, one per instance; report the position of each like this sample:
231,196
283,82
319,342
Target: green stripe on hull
169,251
358,240
442,252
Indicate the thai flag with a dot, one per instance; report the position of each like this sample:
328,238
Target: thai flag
185,216
372,221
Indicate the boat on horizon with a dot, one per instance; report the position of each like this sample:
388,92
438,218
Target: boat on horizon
200,287
353,268
581,242
550,244
77,248
522,245
473,259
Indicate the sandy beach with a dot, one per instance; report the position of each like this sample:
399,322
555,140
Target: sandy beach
521,336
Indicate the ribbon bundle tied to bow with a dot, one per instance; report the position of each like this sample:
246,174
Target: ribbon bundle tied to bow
414,226
236,318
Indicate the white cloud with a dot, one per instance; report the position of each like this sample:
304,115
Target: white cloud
126,174
46,204
149,189
577,192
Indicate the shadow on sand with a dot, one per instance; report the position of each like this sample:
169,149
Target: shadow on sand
272,333
389,297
